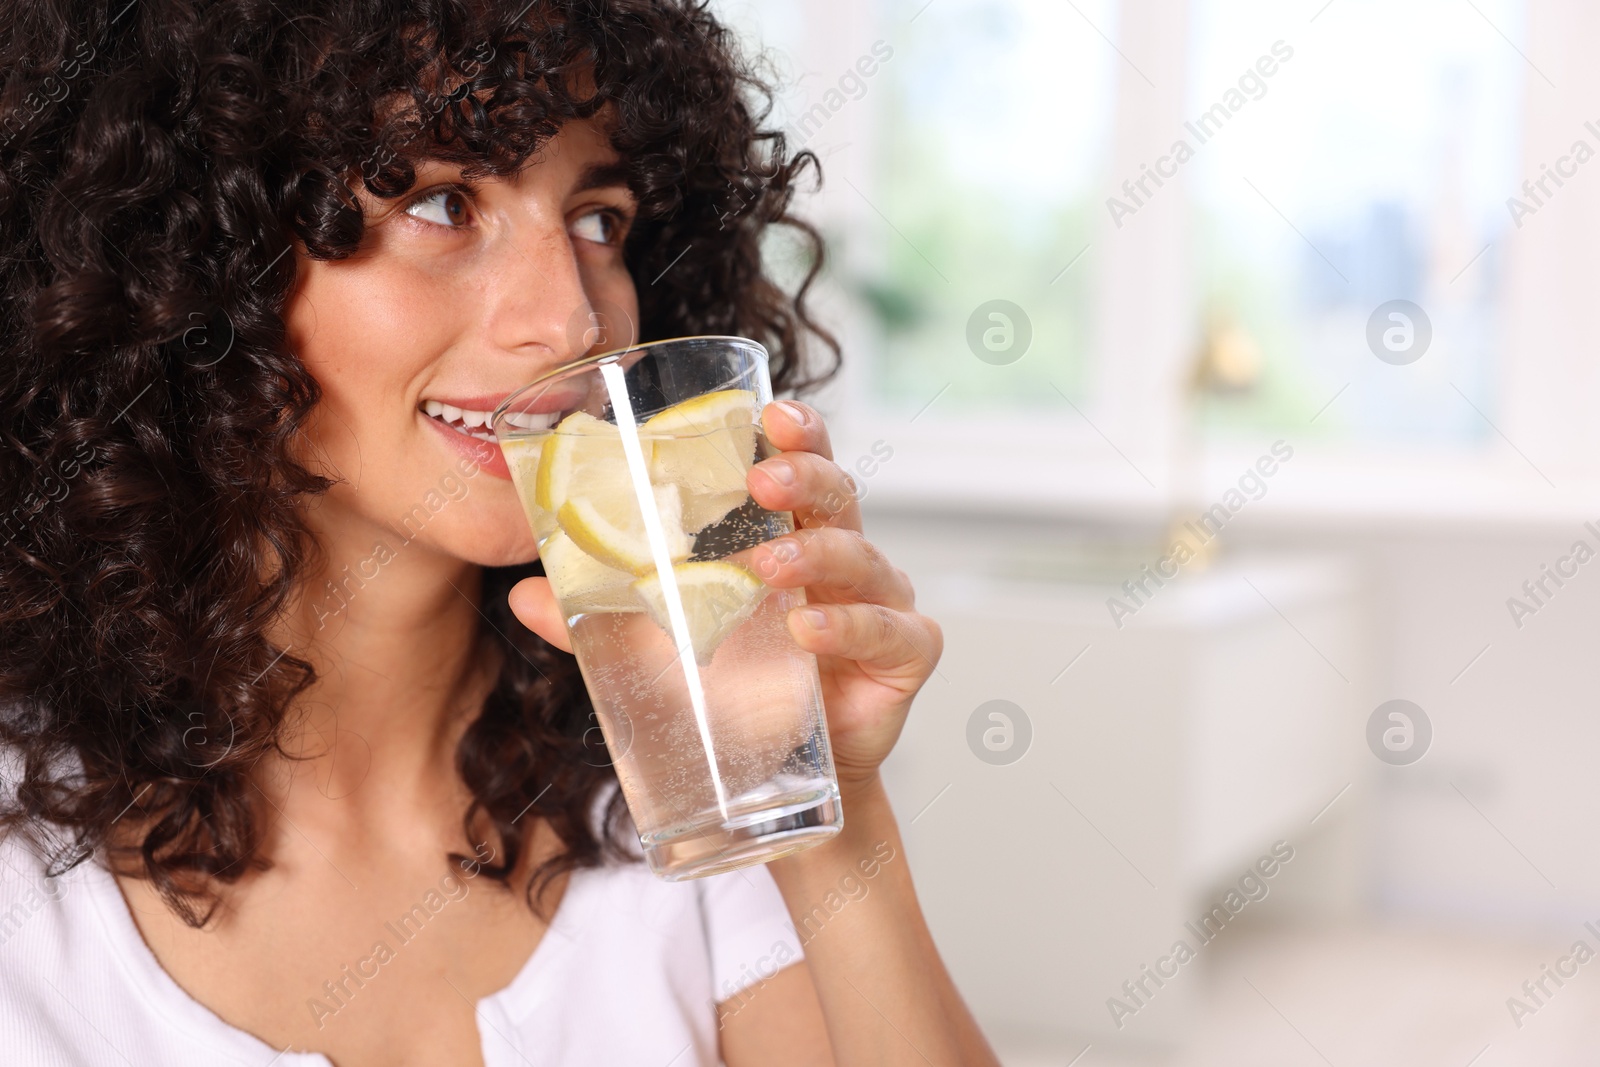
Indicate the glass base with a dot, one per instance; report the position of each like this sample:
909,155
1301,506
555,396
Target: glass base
716,847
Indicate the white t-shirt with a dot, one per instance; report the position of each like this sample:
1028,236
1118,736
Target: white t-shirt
628,972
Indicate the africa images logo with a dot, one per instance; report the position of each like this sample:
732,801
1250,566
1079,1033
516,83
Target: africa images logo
1251,887
1252,85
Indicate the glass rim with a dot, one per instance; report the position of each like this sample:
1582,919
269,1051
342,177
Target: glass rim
612,354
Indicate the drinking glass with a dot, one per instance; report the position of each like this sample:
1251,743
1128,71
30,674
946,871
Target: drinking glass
631,467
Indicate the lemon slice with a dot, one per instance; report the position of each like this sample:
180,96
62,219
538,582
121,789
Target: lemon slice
582,582
609,528
522,457
717,596
582,477
706,445
704,413
581,449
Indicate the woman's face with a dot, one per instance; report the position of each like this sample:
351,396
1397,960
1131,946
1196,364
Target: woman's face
454,299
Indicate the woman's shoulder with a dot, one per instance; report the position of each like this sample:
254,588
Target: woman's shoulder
46,912
50,943
41,891
31,856
24,874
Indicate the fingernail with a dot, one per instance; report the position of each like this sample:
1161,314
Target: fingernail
795,412
780,471
815,618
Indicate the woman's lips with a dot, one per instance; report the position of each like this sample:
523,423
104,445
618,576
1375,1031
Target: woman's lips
464,420
483,451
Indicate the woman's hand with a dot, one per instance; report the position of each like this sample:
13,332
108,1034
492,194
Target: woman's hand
873,649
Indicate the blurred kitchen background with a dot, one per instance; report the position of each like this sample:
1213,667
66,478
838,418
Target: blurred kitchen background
1043,387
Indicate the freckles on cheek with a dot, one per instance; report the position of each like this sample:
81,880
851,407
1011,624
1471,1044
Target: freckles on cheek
371,326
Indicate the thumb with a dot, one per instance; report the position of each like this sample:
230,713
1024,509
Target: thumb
534,605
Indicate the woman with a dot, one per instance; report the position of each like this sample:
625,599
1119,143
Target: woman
297,767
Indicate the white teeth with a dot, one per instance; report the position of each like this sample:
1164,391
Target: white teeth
529,421
466,420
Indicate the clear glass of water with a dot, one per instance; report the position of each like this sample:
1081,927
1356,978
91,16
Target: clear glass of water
631,467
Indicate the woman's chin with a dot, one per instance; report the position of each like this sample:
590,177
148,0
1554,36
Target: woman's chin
483,531
508,555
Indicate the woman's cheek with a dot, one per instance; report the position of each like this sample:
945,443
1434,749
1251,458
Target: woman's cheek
614,304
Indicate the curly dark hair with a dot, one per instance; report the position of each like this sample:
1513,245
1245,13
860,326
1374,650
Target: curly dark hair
158,162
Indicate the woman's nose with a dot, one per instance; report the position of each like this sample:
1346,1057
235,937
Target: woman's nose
543,307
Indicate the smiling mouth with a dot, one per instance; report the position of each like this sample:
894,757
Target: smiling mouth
475,424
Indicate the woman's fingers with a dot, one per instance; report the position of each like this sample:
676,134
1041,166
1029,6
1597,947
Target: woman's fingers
795,427
840,564
813,487
803,478
901,646
534,605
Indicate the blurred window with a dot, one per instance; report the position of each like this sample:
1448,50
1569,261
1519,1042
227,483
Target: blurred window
1372,166
975,163
992,140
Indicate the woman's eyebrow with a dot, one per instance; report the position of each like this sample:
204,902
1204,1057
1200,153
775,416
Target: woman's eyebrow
603,175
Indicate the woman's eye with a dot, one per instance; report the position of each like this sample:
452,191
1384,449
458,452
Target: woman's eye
601,227
443,207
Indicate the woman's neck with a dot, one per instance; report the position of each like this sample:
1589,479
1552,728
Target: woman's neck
392,630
